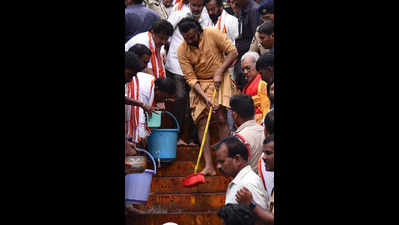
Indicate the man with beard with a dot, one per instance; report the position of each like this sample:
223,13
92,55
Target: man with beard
232,161
256,87
222,20
197,10
227,24
245,196
204,56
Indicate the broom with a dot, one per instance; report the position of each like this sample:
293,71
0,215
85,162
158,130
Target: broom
198,178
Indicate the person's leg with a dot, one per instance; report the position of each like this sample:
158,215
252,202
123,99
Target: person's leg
209,168
222,125
179,105
230,121
192,128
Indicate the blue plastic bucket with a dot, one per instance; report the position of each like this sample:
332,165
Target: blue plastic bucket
162,142
138,185
155,120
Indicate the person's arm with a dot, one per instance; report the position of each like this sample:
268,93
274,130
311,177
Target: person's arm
148,109
190,76
244,197
226,46
208,101
255,43
130,148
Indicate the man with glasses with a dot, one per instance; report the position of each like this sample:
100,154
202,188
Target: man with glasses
256,87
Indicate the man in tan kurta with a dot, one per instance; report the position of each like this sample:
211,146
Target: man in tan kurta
204,64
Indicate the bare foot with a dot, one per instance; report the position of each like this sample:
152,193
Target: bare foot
208,171
180,142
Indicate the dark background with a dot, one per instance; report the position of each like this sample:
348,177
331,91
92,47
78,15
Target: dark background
62,145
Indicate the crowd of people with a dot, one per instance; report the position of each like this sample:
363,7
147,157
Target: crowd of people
182,51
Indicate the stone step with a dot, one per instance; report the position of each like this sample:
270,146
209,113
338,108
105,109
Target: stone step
174,185
181,169
191,202
187,218
190,154
168,122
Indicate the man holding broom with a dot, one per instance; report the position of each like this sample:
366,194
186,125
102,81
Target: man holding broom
204,57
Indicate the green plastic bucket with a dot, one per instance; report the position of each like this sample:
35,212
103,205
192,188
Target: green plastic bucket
155,120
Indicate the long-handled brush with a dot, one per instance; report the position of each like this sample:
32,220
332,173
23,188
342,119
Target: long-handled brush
198,178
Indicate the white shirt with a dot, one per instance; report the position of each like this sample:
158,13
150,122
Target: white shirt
169,10
253,133
142,38
176,6
229,22
268,176
172,61
247,178
145,95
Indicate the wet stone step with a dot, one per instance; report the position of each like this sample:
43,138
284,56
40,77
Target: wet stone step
180,169
193,218
167,185
194,202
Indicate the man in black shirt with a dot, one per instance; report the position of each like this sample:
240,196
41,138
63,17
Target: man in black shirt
248,20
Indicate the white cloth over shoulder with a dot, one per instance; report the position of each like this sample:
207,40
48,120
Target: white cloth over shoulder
172,61
141,38
227,22
145,95
268,177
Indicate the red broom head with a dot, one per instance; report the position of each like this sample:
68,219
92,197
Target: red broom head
195,179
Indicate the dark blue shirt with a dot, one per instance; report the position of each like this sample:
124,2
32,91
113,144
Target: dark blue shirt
138,19
248,20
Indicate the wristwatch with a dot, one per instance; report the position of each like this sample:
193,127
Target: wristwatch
252,205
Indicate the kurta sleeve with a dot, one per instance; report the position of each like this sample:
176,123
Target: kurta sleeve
186,66
223,42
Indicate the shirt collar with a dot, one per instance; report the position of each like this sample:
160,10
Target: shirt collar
249,123
243,172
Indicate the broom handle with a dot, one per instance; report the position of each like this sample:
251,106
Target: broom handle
206,131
